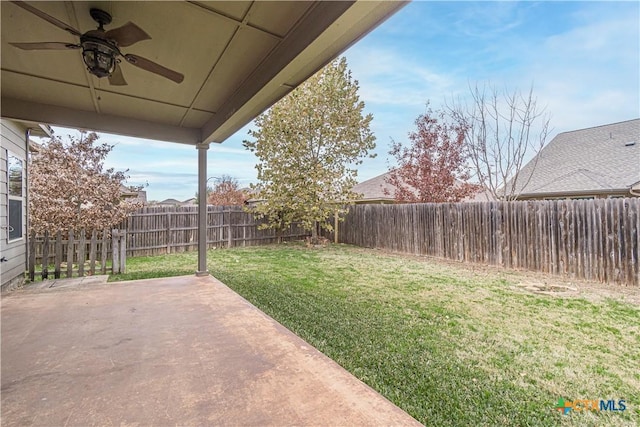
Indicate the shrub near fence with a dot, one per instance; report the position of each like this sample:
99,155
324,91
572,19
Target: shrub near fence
586,239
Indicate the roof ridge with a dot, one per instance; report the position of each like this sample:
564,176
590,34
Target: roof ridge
599,126
589,174
597,177
377,177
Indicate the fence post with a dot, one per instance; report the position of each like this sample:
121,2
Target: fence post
70,251
335,227
82,246
45,256
229,234
119,248
123,251
32,256
93,252
244,234
103,258
115,256
168,232
58,255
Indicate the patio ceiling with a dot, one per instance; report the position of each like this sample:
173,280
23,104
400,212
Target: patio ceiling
238,58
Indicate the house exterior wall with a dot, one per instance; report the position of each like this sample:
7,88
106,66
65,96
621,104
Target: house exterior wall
12,249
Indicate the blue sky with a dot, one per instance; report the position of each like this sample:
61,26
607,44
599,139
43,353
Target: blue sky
582,58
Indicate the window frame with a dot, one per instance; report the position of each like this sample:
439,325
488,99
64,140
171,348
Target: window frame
13,197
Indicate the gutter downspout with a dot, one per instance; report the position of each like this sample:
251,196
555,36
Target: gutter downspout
27,136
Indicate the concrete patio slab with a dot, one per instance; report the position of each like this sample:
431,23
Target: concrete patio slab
175,351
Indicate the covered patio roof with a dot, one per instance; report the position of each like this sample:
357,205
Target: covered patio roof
237,58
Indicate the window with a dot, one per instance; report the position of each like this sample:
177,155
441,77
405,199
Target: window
15,193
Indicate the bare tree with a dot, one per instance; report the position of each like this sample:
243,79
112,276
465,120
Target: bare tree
503,130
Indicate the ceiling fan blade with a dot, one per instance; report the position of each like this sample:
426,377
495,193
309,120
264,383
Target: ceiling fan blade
127,35
151,66
48,18
116,78
45,46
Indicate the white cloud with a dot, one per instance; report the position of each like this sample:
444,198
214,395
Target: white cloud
590,75
388,78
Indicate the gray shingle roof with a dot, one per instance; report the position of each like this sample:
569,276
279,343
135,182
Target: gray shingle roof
169,202
600,159
373,189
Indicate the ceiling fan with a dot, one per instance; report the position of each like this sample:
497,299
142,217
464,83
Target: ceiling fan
100,48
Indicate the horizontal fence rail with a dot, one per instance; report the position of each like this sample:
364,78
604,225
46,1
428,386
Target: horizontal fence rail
163,230
149,231
586,239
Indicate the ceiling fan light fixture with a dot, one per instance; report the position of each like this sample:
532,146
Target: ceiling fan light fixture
100,48
98,56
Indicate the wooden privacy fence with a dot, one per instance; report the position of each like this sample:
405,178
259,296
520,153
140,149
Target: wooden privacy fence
161,230
149,231
76,253
586,239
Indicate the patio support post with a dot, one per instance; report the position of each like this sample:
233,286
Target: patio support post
202,209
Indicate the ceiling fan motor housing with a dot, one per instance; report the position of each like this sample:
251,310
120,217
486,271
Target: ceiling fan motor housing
100,16
98,55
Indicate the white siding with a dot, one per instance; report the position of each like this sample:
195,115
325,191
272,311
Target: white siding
13,142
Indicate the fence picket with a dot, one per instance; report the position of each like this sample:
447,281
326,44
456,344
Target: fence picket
58,255
82,247
70,252
103,258
45,256
93,250
32,256
154,231
592,239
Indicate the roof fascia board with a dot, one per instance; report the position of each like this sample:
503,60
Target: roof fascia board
67,117
319,17
585,193
299,57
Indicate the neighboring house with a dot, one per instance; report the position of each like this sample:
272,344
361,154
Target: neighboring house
251,194
134,195
13,198
176,203
375,190
480,196
169,202
378,191
597,162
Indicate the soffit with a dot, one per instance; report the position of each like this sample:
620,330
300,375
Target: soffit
238,58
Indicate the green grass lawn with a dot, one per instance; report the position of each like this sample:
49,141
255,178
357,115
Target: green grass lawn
449,345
